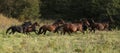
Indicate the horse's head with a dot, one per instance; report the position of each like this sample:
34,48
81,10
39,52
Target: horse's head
85,21
59,21
27,23
91,21
36,24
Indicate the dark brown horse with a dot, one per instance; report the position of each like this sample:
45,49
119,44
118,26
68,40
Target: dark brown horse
51,28
73,27
13,29
98,26
31,28
18,28
26,24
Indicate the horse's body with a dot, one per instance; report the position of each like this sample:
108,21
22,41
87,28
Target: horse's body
26,25
51,28
31,28
14,29
73,27
98,26
46,28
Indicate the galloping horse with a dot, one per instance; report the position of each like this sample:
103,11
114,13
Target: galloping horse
99,26
51,28
19,28
31,28
14,29
26,24
73,27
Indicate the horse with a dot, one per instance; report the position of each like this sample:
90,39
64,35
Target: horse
50,28
31,28
26,24
98,26
19,28
73,27
14,29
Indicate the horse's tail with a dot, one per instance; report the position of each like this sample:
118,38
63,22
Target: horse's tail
8,29
40,30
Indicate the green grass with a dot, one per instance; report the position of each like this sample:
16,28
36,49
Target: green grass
100,42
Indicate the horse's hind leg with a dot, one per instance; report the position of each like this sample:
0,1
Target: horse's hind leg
13,32
10,33
44,32
93,30
64,31
83,32
28,33
61,32
69,32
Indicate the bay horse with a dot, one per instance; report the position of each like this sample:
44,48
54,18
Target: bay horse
73,27
26,24
98,26
51,28
31,28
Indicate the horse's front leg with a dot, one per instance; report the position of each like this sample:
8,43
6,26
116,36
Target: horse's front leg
36,32
69,32
93,29
44,32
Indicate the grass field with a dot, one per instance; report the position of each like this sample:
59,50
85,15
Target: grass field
99,42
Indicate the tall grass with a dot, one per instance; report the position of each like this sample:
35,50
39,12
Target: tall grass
6,22
100,42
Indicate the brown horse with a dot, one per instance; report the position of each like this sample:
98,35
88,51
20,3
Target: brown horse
73,27
31,28
98,26
51,28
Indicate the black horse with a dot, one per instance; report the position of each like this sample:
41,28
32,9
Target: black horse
14,29
19,28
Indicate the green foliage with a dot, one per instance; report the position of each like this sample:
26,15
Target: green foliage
79,8
31,12
66,9
20,8
12,8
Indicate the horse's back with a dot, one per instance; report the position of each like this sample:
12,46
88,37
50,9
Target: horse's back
51,27
70,27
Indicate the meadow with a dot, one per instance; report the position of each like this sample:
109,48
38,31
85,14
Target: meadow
99,42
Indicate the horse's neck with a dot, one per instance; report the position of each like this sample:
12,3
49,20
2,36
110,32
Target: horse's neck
32,26
55,25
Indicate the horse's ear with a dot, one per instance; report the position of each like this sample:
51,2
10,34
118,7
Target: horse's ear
29,21
35,22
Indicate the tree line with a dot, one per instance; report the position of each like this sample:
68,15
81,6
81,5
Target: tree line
65,9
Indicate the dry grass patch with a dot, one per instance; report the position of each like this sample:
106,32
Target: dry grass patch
6,22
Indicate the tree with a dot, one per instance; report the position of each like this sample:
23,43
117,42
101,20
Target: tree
20,8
